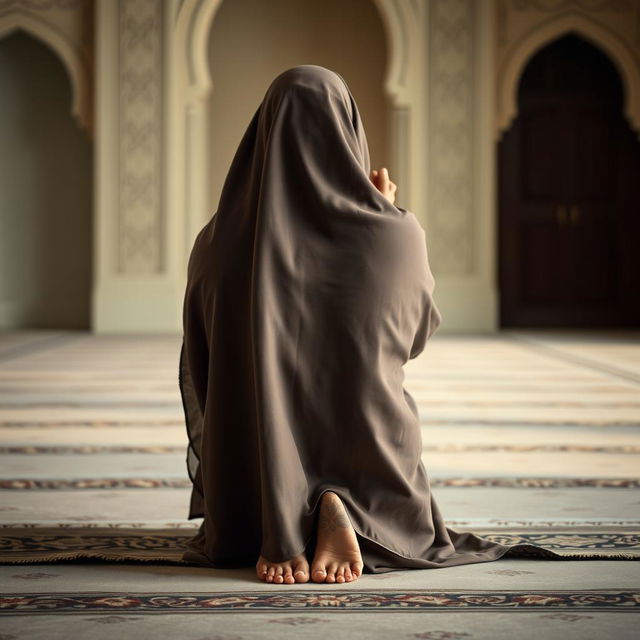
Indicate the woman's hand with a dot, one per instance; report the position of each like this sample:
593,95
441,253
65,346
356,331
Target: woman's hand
381,181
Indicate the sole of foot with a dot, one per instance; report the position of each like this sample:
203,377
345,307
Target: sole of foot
288,572
337,555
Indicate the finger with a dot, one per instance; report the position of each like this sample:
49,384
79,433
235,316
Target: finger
384,180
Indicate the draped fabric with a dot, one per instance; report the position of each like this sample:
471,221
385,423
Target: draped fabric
307,291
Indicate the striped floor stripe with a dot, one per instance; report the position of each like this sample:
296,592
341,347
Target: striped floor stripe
153,483
334,600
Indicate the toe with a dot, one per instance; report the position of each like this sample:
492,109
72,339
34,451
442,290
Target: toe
278,579
270,573
331,572
356,569
319,574
301,573
288,575
347,574
340,575
261,570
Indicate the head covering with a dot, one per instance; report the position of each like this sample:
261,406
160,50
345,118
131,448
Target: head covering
306,293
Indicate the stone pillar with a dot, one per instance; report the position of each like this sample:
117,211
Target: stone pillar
135,288
460,196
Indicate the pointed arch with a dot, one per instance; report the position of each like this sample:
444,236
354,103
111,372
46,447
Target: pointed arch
70,56
623,59
193,21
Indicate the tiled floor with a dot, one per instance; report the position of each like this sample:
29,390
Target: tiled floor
520,429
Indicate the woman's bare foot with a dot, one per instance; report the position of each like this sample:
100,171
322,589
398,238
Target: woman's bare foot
337,555
288,572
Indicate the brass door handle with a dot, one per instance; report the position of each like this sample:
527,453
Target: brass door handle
574,213
561,214
567,214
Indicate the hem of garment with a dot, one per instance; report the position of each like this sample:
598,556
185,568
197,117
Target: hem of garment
198,557
200,554
181,361
195,488
374,542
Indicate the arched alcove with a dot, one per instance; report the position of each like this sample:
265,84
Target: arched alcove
508,76
68,53
193,25
192,87
568,194
346,37
45,192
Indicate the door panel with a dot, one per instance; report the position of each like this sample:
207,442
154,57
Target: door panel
568,189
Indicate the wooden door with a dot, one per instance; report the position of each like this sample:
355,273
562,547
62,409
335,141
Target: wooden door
569,196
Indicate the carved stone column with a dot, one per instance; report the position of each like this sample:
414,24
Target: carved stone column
460,191
135,285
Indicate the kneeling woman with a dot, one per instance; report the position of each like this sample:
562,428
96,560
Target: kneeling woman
307,292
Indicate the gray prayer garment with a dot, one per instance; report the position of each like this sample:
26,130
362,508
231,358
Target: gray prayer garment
307,292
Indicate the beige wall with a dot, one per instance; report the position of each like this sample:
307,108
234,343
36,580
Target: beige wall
177,82
45,192
246,54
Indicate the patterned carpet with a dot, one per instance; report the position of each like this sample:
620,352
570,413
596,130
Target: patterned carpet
94,495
